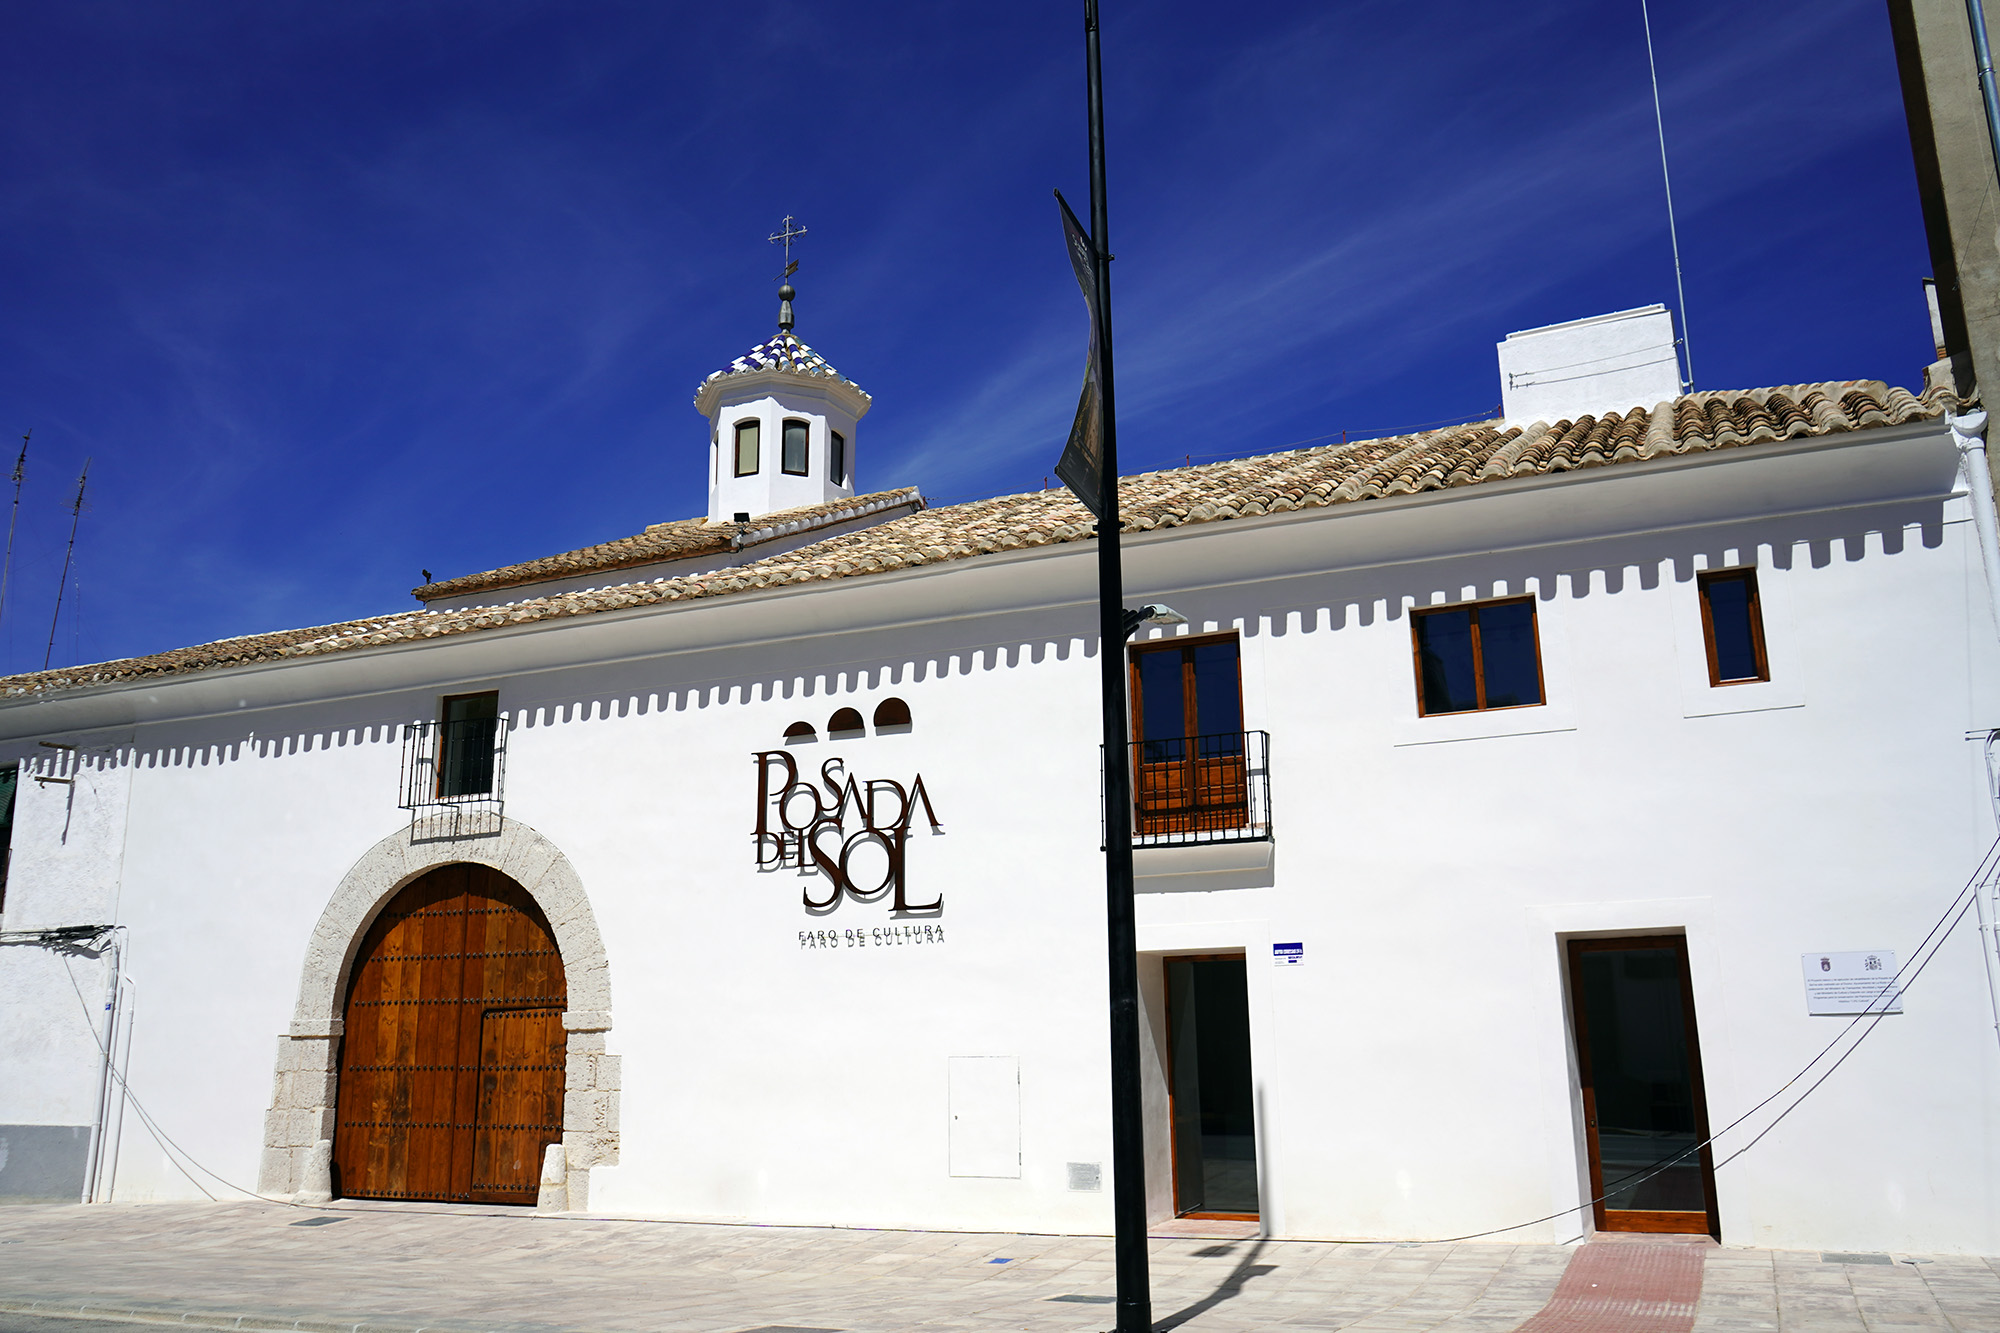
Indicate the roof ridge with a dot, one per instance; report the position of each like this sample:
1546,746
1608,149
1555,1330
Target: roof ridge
1278,482
657,543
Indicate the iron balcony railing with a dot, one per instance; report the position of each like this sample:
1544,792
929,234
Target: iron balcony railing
1201,789
458,764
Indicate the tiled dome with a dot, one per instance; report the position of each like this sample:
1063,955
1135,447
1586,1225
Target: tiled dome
788,354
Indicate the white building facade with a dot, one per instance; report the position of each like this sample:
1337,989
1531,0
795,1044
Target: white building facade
1504,784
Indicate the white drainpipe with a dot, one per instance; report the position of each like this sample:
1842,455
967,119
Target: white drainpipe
1968,432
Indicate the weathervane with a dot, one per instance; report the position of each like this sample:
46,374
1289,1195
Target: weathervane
786,236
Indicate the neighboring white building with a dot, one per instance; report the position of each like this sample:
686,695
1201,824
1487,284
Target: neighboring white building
755,861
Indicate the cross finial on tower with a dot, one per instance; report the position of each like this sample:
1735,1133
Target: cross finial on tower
787,235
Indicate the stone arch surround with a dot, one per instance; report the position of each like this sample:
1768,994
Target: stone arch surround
298,1129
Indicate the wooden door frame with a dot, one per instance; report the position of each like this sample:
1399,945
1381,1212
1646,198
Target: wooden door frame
306,1069
475,882
1190,721
1635,1219
1173,1121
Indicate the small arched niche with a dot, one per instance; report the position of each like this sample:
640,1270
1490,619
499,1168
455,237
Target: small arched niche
892,715
799,733
846,722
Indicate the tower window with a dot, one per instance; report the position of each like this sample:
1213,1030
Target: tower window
836,458
746,448
797,433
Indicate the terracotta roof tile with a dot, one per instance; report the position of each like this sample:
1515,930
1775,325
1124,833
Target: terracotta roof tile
1212,492
678,540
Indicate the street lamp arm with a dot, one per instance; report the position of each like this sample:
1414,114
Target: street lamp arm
1151,614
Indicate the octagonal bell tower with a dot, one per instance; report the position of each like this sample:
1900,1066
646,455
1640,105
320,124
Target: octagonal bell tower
781,427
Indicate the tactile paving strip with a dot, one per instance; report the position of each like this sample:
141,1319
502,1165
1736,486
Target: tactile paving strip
1624,1287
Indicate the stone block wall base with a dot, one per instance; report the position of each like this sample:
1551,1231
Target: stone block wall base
554,1194
317,1185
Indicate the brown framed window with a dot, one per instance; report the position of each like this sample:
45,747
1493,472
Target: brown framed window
10,778
798,436
468,727
836,457
1188,741
1732,623
1476,657
748,444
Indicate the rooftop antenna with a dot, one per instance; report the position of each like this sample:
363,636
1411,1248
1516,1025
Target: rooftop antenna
75,513
20,472
1684,348
787,234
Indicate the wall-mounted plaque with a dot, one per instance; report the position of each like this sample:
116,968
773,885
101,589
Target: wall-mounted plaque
1288,955
1863,982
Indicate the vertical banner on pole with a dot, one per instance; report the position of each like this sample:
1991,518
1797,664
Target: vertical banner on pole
1082,464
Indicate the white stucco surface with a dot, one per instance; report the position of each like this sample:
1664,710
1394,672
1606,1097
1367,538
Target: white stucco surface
1414,1077
1588,367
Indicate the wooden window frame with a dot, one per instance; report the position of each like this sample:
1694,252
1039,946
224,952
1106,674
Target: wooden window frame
1173,1158
11,807
804,468
1223,778
1478,655
444,746
736,447
1708,579
1174,643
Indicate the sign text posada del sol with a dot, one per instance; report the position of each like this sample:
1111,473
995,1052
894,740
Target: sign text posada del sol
824,826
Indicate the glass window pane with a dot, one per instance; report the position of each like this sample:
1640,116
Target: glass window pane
796,435
746,449
1507,651
836,458
1444,653
1214,1102
1218,692
1729,614
1162,710
1641,1079
465,759
9,778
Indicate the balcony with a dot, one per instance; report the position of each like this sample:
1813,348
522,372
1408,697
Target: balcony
453,775
1190,790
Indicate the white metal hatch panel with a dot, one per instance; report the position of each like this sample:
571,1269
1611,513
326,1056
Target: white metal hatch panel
985,1115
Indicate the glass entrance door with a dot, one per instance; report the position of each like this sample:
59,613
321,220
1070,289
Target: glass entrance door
1639,1062
1208,1075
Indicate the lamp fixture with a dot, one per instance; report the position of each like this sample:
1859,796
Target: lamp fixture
1153,613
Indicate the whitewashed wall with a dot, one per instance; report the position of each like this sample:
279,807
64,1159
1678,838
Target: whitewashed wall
1414,1075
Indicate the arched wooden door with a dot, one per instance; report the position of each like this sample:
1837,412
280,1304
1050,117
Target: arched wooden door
451,1071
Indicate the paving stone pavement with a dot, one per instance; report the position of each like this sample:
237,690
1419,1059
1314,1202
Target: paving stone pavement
402,1267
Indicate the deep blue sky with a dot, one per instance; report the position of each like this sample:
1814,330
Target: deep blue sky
335,293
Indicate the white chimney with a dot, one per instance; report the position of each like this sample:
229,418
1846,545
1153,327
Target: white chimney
1588,367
